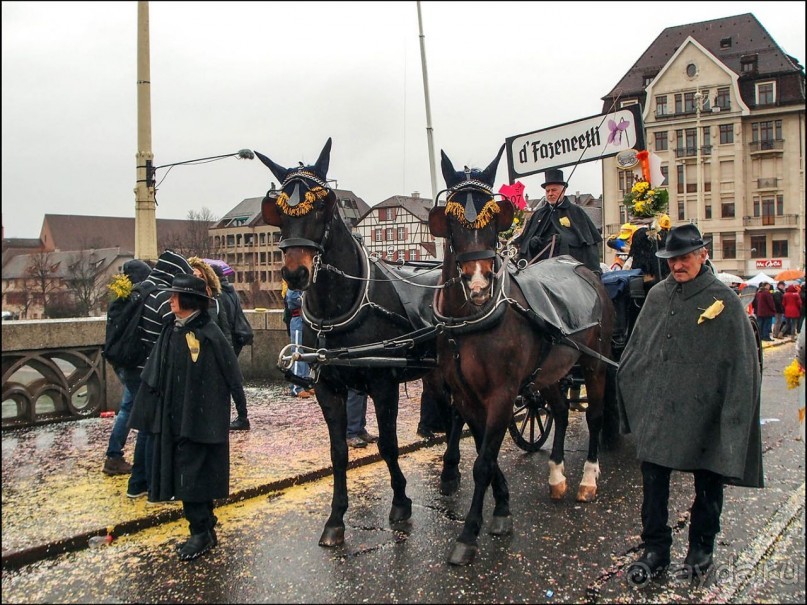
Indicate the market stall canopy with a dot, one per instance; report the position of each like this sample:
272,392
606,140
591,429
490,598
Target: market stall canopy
760,278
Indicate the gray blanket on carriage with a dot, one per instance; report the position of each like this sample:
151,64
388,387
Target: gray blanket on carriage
408,281
558,294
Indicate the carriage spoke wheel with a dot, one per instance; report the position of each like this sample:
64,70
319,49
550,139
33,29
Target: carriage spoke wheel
531,422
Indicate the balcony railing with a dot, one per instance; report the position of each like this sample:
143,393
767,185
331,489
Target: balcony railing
691,152
784,220
769,145
767,183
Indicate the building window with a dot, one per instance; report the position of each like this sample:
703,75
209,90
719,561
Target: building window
759,246
779,247
727,209
377,235
710,246
389,234
707,211
692,70
768,208
725,43
681,215
723,98
729,248
401,235
661,141
648,79
780,205
689,102
661,105
770,130
665,171
748,63
387,214
726,134
766,93
679,103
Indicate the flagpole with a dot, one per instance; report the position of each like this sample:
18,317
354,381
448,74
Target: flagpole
429,134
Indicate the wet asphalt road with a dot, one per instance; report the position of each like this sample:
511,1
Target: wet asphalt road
559,552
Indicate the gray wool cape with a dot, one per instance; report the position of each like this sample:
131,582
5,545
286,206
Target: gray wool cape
689,392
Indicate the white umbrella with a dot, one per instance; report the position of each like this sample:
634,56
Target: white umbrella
730,278
760,278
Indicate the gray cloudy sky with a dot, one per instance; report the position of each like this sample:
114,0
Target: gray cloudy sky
282,77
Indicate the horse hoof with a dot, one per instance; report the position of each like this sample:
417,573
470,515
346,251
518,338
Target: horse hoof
557,492
332,536
586,493
400,512
450,487
462,554
501,526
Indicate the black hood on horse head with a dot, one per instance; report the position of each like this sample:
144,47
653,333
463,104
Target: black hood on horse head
477,180
454,177
320,169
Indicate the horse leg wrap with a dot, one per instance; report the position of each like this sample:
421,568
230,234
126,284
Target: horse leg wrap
557,481
588,486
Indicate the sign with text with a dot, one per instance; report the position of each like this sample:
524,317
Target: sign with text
769,263
585,140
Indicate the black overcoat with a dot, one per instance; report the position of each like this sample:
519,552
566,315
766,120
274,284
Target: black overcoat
577,234
186,403
690,392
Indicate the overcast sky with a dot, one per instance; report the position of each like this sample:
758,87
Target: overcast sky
282,77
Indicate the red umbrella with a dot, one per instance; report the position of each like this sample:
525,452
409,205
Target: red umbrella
789,274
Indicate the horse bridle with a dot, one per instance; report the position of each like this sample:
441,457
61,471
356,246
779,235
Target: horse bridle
301,242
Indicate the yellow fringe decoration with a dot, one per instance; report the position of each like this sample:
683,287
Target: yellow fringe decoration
304,207
483,218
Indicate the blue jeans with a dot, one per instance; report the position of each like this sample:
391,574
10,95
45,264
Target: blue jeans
120,430
765,324
356,412
300,368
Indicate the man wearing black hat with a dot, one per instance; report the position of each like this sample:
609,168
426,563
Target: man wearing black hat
560,227
689,390
184,401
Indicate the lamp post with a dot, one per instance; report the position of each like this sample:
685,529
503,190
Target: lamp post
145,203
698,167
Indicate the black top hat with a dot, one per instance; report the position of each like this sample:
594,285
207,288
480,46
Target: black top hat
682,240
554,177
189,284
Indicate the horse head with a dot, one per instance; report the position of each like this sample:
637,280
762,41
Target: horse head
303,209
471,221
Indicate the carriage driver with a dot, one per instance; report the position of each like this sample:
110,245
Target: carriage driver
559,227
689,390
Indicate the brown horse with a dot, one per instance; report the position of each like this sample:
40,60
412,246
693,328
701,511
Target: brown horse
495,343
372,315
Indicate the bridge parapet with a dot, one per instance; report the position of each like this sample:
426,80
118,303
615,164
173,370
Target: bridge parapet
53,369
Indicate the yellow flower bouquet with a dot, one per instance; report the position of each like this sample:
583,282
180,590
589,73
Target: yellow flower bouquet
645,201
120,286
793,374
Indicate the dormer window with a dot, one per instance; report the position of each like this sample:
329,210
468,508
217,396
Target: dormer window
748,63
725,43
766,93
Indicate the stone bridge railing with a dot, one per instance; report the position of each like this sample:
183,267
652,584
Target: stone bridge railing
53,369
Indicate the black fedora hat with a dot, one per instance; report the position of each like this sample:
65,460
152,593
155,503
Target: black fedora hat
189,284
682,240
554,177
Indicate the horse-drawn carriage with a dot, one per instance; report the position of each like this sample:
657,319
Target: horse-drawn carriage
486,328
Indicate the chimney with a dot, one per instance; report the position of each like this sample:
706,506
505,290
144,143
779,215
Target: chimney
415,194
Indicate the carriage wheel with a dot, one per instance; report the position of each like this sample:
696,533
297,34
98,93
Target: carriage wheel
531,422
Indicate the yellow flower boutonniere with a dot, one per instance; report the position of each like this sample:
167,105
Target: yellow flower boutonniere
565,221
715,309
193,345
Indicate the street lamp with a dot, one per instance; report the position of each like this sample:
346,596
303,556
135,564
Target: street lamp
698,167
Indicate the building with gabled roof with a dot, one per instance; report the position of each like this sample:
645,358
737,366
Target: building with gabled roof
723,109
398,229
